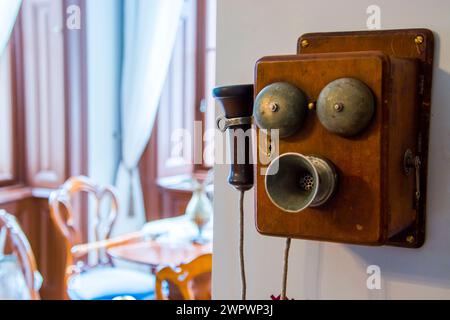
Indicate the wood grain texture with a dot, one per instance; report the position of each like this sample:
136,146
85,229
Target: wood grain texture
375,200
358,201
401,44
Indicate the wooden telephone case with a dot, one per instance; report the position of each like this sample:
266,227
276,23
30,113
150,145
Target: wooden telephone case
376,202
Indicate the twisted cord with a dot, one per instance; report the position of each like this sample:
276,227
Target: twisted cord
241,246
285,269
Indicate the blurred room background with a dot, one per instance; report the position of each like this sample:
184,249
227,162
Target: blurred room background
108,95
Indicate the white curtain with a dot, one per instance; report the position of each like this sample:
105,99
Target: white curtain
8,15
150,28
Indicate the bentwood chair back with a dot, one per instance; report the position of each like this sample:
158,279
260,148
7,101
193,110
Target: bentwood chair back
99,280
11,234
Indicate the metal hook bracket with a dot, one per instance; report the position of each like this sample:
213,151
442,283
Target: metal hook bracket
224,123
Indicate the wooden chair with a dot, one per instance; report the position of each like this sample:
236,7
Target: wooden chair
100,280
20,247
190,281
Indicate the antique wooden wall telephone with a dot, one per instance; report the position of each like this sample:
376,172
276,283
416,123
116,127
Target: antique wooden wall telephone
352,110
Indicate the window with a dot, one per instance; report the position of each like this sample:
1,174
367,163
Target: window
177,104
210,81
187,94
186,106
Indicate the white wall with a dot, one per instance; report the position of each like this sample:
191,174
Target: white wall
250,29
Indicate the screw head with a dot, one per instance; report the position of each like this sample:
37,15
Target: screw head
304,43
274,107
419,39
338,107
410,239
311,105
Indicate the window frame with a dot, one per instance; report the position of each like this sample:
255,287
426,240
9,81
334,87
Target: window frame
201,77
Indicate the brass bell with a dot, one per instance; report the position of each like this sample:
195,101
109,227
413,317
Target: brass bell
345,106
280,106
295,182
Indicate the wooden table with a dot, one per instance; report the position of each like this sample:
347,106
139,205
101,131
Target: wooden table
173,247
